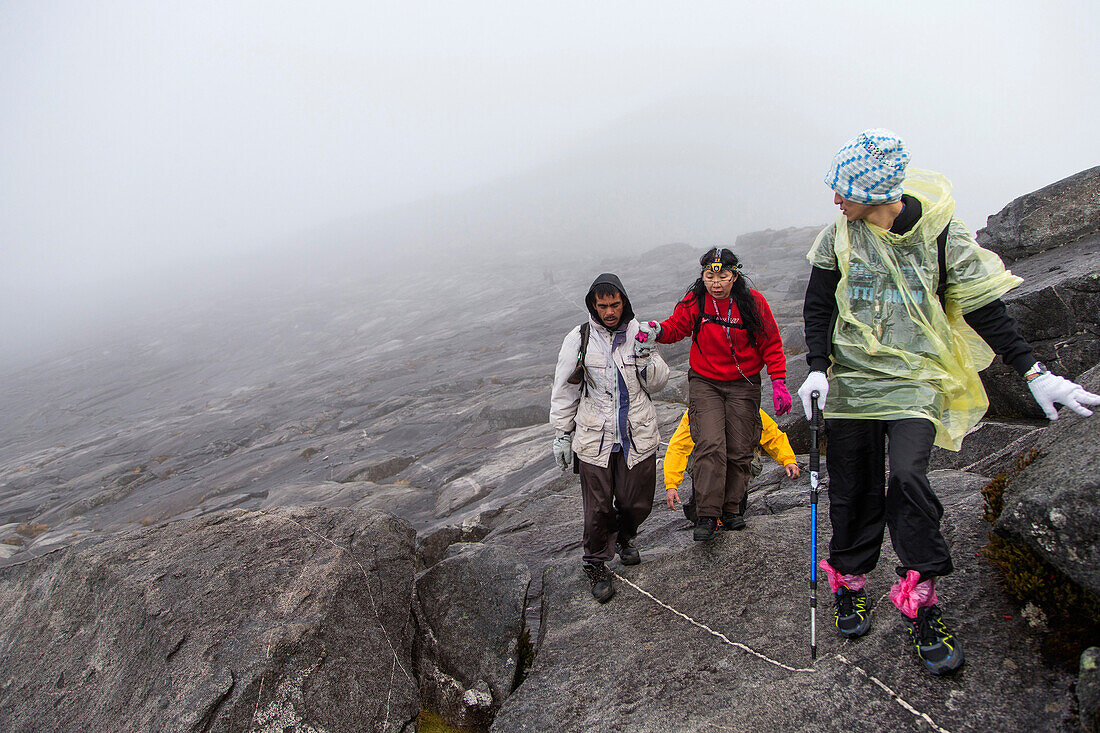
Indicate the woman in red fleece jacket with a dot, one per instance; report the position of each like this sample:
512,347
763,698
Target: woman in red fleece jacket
734,337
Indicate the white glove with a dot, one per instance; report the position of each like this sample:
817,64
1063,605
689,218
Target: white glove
815,382
563,450
1050,388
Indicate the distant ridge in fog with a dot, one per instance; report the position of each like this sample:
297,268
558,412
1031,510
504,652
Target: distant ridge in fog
692,170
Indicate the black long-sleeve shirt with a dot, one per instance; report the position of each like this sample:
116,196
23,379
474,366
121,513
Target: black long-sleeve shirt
992,321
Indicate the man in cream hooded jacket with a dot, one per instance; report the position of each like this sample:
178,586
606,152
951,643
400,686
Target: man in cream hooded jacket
607,422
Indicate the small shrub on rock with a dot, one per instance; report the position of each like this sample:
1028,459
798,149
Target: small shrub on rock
1072,612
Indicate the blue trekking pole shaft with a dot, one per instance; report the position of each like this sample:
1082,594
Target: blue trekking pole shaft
815,467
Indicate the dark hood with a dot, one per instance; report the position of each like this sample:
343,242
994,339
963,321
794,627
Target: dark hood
590,299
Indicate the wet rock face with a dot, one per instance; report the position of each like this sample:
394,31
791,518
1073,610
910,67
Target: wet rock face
1062,212
1058,311
794,423
1050,238
1053,505
251,619
635,665
432,545
470,619
989,448
230,611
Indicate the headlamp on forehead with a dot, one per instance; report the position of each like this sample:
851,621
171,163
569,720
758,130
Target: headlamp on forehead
721,260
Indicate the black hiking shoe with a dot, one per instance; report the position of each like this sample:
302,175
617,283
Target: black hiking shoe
732,521
937,647
602,589
628,553
850,611
705,528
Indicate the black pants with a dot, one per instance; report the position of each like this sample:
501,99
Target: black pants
862,502
617,500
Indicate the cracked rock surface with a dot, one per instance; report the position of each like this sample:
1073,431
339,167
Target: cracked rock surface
268,620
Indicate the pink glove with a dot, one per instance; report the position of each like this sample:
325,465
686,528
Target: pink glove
648,330
781,398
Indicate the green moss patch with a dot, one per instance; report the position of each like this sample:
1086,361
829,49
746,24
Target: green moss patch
1072,614
429,722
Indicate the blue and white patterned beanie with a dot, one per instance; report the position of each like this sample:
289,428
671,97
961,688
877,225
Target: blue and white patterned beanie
869,168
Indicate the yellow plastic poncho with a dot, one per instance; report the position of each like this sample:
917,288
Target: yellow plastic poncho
896,353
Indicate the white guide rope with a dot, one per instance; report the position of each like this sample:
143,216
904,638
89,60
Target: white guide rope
897,698
725,639
708,629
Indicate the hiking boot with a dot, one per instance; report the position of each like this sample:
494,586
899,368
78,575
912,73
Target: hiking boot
850,611
628,553
602,589
732,521
705,528
937,647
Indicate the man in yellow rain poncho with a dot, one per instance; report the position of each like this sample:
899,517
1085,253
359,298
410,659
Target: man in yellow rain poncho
773,440
903,355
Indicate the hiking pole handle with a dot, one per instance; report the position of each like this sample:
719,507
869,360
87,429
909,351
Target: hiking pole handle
815,428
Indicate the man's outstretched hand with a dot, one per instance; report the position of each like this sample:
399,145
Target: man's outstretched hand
1050,388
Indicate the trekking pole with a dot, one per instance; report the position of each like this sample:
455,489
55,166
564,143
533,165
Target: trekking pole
815,466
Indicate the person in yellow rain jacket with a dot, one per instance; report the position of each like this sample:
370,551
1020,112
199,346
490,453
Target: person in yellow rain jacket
773,440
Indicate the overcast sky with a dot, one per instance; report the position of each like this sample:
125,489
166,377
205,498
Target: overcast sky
138,135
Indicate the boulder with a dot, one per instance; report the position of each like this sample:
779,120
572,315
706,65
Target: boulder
470,620
986,440
274,620
456,494
793,241
777,493
1058,312
1003,459
1045,219
675,391
373,469
1053,505
432,544
794,339
794,423
410,502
